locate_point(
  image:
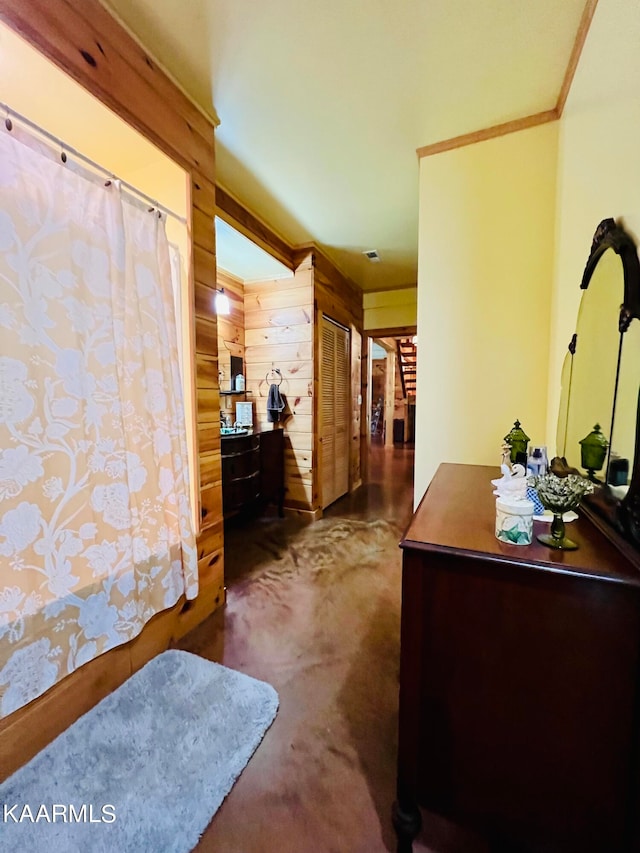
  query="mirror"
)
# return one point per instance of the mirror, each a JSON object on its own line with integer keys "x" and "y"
{"x": 623, "y": 434}
{"x": 601, "y": 384}
{"x": 593, "y": 360}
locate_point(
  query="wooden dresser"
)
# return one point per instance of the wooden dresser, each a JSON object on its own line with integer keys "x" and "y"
{"x": 519, "y": 680}
{"x": 252, "y": 470}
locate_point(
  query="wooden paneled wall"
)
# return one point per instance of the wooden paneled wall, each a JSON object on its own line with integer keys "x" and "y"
{"x": 82, "y": 38}
{"x": 279, "y": 333}
{"x": 281, "y": 319}
{"x": 211, "y": 536}
{"x": 335, "y": 295}
{"x": 230, "y": 327}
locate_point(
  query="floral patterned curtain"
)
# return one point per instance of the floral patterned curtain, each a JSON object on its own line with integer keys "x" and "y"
{"x": 95, "y": 528}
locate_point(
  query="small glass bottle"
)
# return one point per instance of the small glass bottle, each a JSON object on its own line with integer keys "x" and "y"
{"x": 537, "y": 461}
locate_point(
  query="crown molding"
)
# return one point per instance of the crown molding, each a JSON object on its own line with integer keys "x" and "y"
{"x": 581, "y": 37}
{"x": 488, "y": 133}
{"x": 528, "y": 121}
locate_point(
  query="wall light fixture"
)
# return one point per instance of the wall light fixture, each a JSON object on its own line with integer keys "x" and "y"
{"x": 222, "y": 302}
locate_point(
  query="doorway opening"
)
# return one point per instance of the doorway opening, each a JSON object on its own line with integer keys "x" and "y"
{"x": 392, "y": 373}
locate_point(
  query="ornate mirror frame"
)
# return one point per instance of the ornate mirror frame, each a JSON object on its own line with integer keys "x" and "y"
{"x": 619, "y": 520}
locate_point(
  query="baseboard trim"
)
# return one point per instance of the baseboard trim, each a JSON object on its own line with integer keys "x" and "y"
{"x": 306, "y": 515}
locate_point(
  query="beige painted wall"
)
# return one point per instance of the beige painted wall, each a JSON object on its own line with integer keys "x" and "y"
{"x": 599, "y": 164}
{"x": 485, "y": 268}
{"x": 390, "y": 308}
{"x": 38, "y": 89}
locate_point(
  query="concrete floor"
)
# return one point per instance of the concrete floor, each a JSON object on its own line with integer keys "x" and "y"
{"x": 315, "y": 611}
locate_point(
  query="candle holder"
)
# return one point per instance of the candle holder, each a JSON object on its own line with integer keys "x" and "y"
{"x": 593, "y": 452}
{"x": 560, "y": 495}
{"x": 517, "y": 439}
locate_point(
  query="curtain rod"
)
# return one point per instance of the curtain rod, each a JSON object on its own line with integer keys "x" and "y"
{"x": 11, "y": 113}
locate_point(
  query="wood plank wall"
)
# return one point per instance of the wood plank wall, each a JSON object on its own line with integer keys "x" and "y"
{"x": 82, "y": 38}
{"x": 230, "y": 327}
{"x": 211, "y": 537}
{"x": 279, "y": 333}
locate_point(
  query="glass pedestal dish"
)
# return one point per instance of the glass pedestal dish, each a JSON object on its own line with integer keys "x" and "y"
{"x": 559, "y": 495}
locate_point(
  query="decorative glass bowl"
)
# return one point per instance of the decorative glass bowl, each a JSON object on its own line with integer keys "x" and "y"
{"x": 560, "y": 495}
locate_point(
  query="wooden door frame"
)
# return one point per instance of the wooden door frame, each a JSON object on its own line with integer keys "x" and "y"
{"x": 371, "y": 335}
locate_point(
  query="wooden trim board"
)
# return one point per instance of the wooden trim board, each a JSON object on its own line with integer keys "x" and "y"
{"x": 488, "y": 133}
{"x": 531, "y": 120}
{"x": 391, "y": 332}
{"x": 391, "y": 289}
{"x": 581, "y": 37}
{"x": 81, "y": 38}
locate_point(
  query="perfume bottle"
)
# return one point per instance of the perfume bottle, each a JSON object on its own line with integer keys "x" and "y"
{"x": 537, "y": 463}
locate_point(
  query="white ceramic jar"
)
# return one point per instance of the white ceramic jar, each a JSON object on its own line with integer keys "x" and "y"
{"x": 514, "y": 521}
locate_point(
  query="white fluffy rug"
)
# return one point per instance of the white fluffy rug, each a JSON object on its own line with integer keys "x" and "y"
{"x": 146, "y": 769}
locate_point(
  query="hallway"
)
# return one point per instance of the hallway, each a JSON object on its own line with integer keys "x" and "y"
{"x": 315, "y": 611}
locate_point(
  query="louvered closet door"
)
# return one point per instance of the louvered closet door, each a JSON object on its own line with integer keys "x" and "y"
{"x": 335, "y": 411}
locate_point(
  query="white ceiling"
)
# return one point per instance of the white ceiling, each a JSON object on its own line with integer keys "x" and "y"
{"x": 243, "y": 258}
{"x": 322, "y": 105}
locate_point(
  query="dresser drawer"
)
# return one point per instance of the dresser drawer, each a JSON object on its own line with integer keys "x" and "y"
{"x": 239, "y": 492}
{"x": 240, "y": 464}
{"x": 233, "y": 444}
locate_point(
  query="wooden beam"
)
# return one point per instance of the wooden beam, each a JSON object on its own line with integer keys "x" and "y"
{"x": 82, "y": 39}
{"x": 581, "y": 37}
{"x": 391, "y": 288}
{"x": 488, "y": 133}
{"x": 234, "y": 213}
{"x": 392, "y": 332}
{"x": 328, "y": 268}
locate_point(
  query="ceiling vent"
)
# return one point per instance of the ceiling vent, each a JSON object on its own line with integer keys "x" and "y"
{"x": 373, "y": 256}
